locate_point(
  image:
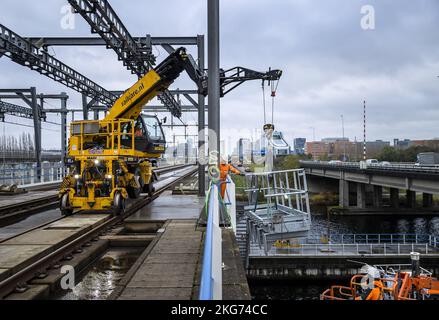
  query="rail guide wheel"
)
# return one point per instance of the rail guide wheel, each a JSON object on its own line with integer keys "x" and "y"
{"x": 134, "y": 193}
{"x": 149, "y": 189}
{"x": 118, "y": 204}
{"x": 66, "y": 210}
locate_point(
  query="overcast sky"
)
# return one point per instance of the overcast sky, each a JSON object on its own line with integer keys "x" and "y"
{"x": 330, "y": 63}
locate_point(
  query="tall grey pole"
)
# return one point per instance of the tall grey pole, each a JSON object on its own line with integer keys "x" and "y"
{"x": 364, "y": 131}
{"x": 63, "y": 127}
{"x": 213, "y": 26}
{"x": 344, "y": 142}
{"x": 84, "y": 107}
{"x": 201, "y": 122}
{"x": 37, "y": 129}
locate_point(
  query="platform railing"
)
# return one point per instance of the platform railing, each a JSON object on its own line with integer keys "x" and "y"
{"x": 383, "y": 238}
{"x": 211, "y": 274}
{"x": 355, "y": 249}
{"x": 35, "y": 175}
{"x": 356, "y": 244}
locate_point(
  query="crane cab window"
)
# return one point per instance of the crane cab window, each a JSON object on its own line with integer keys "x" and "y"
{"x": 154, "y": 129}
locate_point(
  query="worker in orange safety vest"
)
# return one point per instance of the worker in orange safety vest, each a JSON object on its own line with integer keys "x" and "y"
{"x": 225, "y": 169}
{"x": 377, "y": 293}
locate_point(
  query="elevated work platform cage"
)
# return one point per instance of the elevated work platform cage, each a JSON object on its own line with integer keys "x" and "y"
{"x": 278, "y": 207}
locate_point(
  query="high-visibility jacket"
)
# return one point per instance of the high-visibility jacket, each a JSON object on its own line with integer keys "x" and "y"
{"x": 374, "y": 294}
{"x": 225, "y": 169}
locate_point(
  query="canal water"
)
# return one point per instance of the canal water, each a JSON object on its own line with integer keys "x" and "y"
{"x": 102, "y": 276}
{"x": 336, "y": 225}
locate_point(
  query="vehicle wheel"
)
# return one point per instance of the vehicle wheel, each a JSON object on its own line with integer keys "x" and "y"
{"x": 149, "y": 189}
{"x": 65, "y": 205}
{"x": 134, "y": 193}
{"x": 118, "y": 204}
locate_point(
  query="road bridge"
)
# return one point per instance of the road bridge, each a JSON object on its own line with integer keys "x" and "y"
{"x": 353, "y": 178}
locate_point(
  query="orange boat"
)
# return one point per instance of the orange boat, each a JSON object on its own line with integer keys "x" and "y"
{"x": 388, "y": 282}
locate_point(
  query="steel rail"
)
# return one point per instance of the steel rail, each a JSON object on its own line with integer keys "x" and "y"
{"x": 8, "y": 285}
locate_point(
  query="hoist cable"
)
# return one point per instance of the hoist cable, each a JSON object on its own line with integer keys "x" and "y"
{"x": 263, "y": 100}
{"x": 273, "y": 95}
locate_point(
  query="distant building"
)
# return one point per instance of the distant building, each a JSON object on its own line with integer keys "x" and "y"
{"x": 434, "y": 143}
{"x": 402, "y": 144}
{"x": 333, "y": 140}
{"x": 318, "y": 149}
{"x": 343, "y": 149}
{"x": 299, "y": 146}
{"x": 244, "y": 151}
{"x": 374, "y": 148}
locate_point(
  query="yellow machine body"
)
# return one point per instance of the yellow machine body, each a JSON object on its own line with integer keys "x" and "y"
{"x": 111, "y": 158}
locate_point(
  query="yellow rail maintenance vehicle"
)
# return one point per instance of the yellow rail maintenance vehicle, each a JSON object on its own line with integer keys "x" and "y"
{"x": 112, "y": 158}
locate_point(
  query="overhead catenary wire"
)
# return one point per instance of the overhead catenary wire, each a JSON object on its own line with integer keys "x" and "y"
{"x": 28, "y": 126}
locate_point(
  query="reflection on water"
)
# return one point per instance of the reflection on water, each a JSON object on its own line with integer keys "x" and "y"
{"x": 99, "y": 282}
{"x": 374, "y": 224}
{"x": 287, "y": 290}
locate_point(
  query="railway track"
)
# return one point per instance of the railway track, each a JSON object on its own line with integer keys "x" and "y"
{"x": 30, "y": 271}
{"x": 15, "y": 212}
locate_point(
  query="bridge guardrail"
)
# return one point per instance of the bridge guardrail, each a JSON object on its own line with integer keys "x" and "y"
{"x": 391, "y": 167}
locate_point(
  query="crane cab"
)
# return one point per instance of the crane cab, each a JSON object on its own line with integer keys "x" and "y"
{"x": 148, "y": 135}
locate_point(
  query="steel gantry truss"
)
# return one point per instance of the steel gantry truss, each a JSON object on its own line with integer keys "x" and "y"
{"x": 138, "y": 59}
{"x": 14, "y": 110}
{"x": 105, "y": 22}
{"x": 26, "y": 54}
{"x": 36, "y": 112}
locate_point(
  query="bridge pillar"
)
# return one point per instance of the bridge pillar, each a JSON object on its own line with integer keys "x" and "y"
{"x": 394, "y": 197}
{"x": 427, "y": 200}
{"x": 411, "y": 199}
{"x": 361, "y": 195}
{"x": 377, "y": 196}
{"x": 343, "y": 193}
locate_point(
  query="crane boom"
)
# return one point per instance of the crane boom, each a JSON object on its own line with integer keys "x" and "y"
{"x": 130, "y": 104}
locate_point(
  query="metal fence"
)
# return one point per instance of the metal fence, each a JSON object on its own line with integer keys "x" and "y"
{"x": 356, "y": 245}
{"x": 380, "y": 238}
{"x": 372, "y": 249}
{"x": 50, "y": 172}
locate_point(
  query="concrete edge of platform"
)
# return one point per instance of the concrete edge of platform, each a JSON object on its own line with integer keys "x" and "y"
{"x": 122, "y": 284}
